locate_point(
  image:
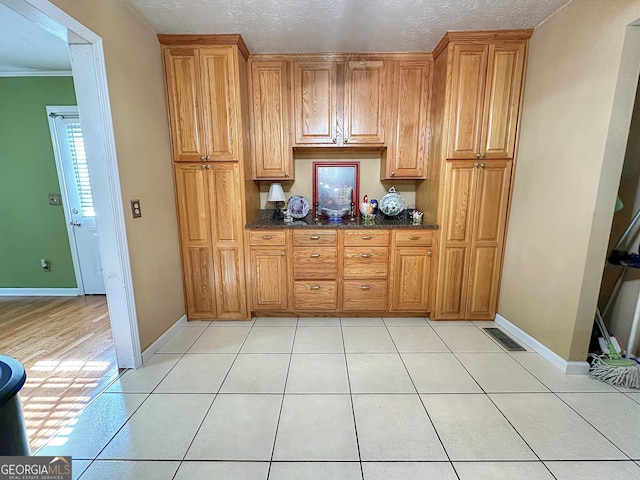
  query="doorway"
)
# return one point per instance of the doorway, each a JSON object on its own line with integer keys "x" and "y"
{"x": 76, "y": 198}
{"x": 89, "y": 74}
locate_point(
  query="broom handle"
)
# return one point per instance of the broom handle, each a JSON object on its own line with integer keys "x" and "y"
{"x": 602, "y": 327}
{"x": 627, "y": 231}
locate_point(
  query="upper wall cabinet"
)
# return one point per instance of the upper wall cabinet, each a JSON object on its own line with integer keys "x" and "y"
{"x": 407, "y": 148}
{"x": 270, "y": 120}
{"x": 485, "y": 95}
{"x": 340, "y": 103}
{"x": 201, "y": 84}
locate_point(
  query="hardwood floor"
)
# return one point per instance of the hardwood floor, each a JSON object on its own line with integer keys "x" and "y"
{"x": 66, "y": 347}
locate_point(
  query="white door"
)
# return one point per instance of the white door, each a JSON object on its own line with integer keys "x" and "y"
{"x": 77, "y": 198}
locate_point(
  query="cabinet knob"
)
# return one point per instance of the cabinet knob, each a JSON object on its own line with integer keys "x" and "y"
{"x": 334, "y": 139}
{"x": 483, "y": 155}
{"x": 482, "y": 165}
{"x": 314, "y": 255}
{"x": 282, "y": 253}
{"x": 203, "y": 166}
{"x": 365, "y": 255}
{"x": 314, "y": 237}
{"x": 286, "y": 174}
{"x": 428, "y": 254}
{"x": 267, "y": 237}
{"x": 203, "y": 158}
{"x": 314, "y": 287}
{"x": 208, "y": 167}
{"x": 208, "y": 157}
{"x": 478, "y": 155}
{"x": 346, "y": 140}
{"x": 393, "y": 174}
{"x": 365, "y": 287}
{"x": 477, "y": 165}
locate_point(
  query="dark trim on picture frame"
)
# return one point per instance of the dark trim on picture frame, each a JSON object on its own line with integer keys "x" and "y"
{"x": 335, "y": 186}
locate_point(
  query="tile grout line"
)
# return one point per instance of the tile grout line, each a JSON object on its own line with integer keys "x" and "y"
{"x": 421, "y": 402}
{"x": 215, "y": 395}
{"x": 353, "y": 410}
{"x": 284, "y": 389}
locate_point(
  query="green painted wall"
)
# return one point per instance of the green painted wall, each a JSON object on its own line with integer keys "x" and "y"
{"x": 31, "y": 229}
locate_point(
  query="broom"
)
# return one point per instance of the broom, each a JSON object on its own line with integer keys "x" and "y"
{"x": 610, "y": 367}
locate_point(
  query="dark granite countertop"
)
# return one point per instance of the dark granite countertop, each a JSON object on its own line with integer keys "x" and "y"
{"x": 380, "y": 222}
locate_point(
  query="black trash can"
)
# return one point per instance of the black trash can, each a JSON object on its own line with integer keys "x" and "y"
{"x": 13, "y": 434}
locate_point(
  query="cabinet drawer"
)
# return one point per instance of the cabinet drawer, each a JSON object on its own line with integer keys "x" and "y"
{"x": 267, "y": 237}
{"x": 413, "y": 238}
{"x": 365, "y": 295}
{"x": 315, "y": 295}
{"x": 366, "y": 262}
{"x": 306, "y": 237}
{"x": 319, "y": 262}
{"x": 366, "y": 237}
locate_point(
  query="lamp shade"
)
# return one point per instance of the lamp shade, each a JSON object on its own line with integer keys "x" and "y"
{"x": 276, "y": 193}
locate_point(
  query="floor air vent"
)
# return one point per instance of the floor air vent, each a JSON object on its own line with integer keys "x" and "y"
{"x": 505, "y": 340}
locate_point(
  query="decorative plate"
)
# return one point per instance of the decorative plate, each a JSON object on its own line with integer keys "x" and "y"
{"x": 392, "y": 203}
{"x": 298, "y": 206}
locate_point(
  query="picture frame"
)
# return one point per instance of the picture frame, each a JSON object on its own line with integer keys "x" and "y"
{"x": 335, "y": 186}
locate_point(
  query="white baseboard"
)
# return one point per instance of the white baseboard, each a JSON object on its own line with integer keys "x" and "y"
{"x": 39, "y": 292}
{"x": 162, "y": 339}
{"x": 570, "y": 368}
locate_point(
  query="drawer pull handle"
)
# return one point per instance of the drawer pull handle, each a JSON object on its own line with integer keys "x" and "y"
{"x": 365, "y": 255}
{"x": 267, "y": 237}
{"x": 366, "y": 237}
{"x": 413, "y": 237}
{"x": 314, "y": 255}
{"x": 314, "y": 237}
{"x": 365, "y": 287}
{"x": 314, "y": 287}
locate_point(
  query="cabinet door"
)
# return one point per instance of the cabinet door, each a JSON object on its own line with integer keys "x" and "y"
{"x": 226, "y": 226}
{"x": 270, "y": 278}
{"x": 315, "y": 93}
{"x": 272, "y": 149}
{"x": 182, "y": 67}
{"x": 407, "y": 150}
{"x": 502, "y": 98}
{"x": 221, "y": 112}
{"x": 490, "y": 216}
{"x": 192, "y": 187}
{"x": 467, "y": 95}
{"x": 456, "y": 237}
{"x": 411, "y": 280}
{"x": 365, "y": 99}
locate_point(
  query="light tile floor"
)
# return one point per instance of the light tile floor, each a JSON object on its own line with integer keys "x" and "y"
{"x": 351, "y": 398}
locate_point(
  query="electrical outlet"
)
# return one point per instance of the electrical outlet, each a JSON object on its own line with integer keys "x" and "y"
{"x": 135, "y": 209}
{"x": 45, "y": 264}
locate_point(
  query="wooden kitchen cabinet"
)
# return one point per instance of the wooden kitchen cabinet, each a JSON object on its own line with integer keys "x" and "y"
{"x": 211, "y": 239}
{"x": 411, "y": 271}
{"x": 475, "y": 201}
{"x": 270, "y": 119}
{"x": 269, "y": 270}
{"x": 365, "y": 267}
{"x": 340, "y": 103}
{"x": 485, "y": 97}
{"x": 203, "y": 102}
{"x": 407, "y": 151}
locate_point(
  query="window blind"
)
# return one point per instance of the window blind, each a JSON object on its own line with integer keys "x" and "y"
{"x": 80, "y": 169}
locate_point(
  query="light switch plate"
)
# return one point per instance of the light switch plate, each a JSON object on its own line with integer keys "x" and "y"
{"x": 55, "y": 199}
{"x": 135, "y": 209}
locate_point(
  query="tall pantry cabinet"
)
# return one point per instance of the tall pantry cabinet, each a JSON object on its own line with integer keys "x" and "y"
{"x": 477, "y": 88}
{"x": 207, "y": 96}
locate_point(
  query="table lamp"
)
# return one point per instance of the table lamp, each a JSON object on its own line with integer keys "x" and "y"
{"x": 276, "y": 194}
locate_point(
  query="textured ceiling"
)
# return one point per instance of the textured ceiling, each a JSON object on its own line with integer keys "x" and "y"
{"x": 304, "y": 26}
{"x": 27, "y": 49}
